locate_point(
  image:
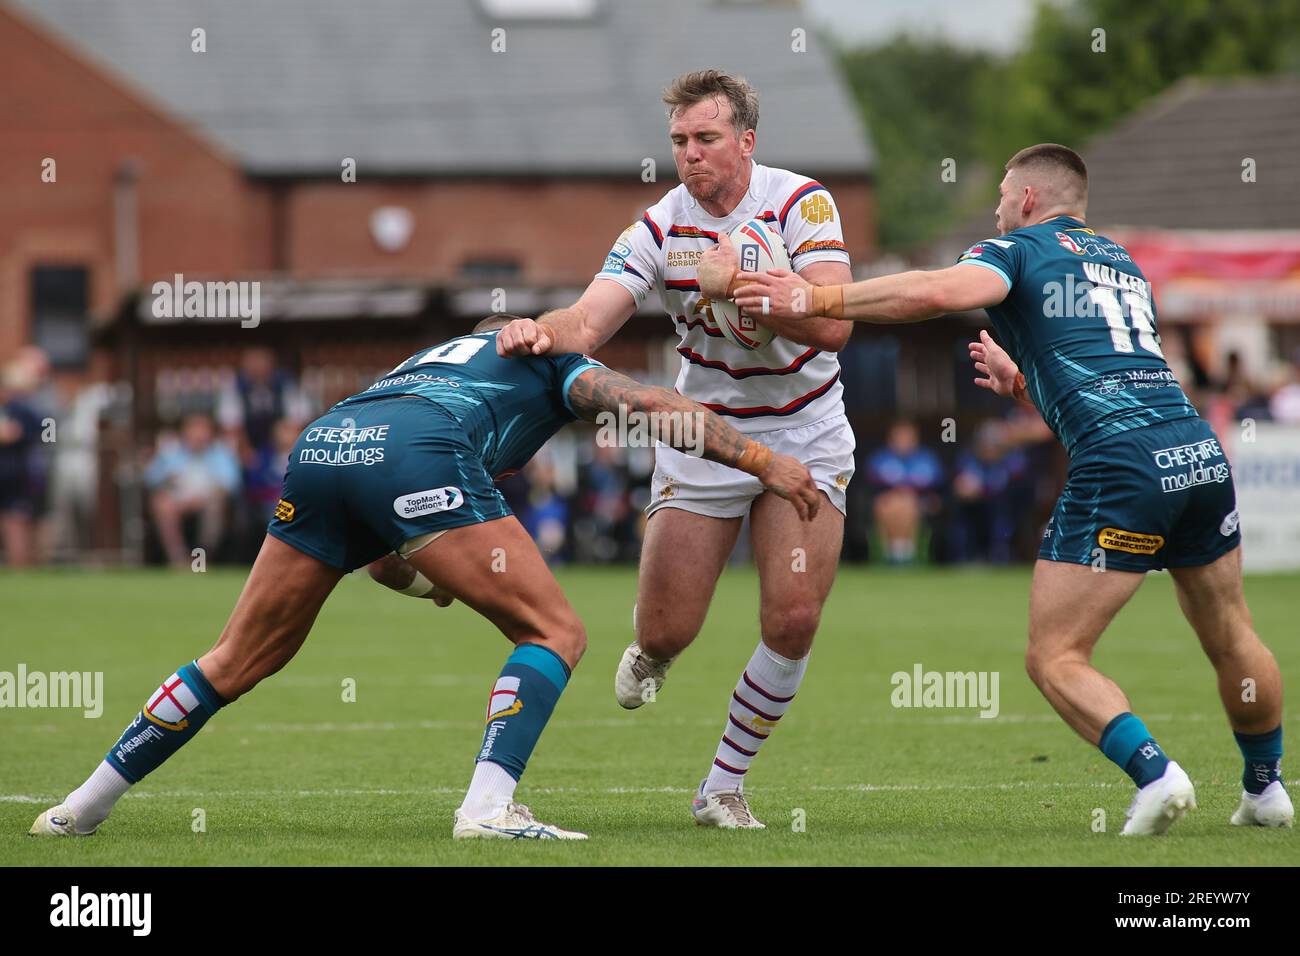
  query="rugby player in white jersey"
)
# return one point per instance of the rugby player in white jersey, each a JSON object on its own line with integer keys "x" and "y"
{"x": 786, "y": 395}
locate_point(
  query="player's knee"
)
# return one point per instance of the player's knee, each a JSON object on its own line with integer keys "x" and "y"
{"x": 789, "y": 629}
{"x": 566, "y": 636}
{"x": 664, "y": 639}
{"x": 1041, "y": 663}
{"x": 1237, "y": 639}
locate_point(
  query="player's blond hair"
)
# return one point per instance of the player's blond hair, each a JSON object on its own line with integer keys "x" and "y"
{"x": 691, "y": 88}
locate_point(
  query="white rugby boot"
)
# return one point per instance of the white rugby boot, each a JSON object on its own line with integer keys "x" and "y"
{"x": 727, "y": 809}
{"x": 515, "y": 822}
{"x": 57, "y": 822}
{"x": 638, "y": 677}
{"x": 1272, "y": 808}
{"x": 1157, "y": 805}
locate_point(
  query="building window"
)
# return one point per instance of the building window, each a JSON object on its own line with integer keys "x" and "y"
{"x": 490, "y": 270}
{"x": 60, "y": 314}
{"x": 540, "y": 9}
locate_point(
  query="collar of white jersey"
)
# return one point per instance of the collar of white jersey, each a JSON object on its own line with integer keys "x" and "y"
{"x": 747, "y": 207}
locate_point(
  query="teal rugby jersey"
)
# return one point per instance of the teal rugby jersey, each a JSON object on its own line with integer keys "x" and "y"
{"x": 507, "y": 407}
{"x": 1080, "y": 322}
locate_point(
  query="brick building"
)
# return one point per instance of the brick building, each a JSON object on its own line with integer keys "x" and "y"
{"x": 210, "y": 139}
{"x": 385, "y": 172}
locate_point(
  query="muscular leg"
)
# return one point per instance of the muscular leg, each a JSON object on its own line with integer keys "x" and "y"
{"x": 281, "y": 598}
{"x": 279, "y": 603}
{"x": 496, "y": 569}
{"x": 1250, "y": 683}
{"x": 1069, "y": 606}
{"x": 796, "y": 567}
{"x": 1213, "y": 603}
{"x": 796, "y": 561}
{"x": 681, "y": 558}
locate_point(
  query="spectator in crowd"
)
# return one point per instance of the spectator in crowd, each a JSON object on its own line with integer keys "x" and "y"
{"x": 74, "y": 479}
{"x": 195, "y": 476}
{"x": 602, "y": 527}
{"x": 906, "y": 479}
{"x": 987, "y": 496}
{"x": 20, "y": 443}
{"x": 1284, "y": 403}
{"x": 546, "y": 515}
{"x": 259, "y": 395}
{"x": 264, "y": 478}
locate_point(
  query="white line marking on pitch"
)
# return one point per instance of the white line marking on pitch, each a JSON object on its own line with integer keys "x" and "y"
{"x": 457, "y": 791}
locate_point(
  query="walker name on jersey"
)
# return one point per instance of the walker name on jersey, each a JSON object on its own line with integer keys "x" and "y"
{"x": 1200, "y": 463}
{"x": 348, "y": 446}
{"x": 428, "y": 502}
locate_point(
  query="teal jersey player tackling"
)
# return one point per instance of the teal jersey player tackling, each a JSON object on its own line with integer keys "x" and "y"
{"x": 1149, "y": 485}
{"x": 1080, "y": 322}
{"x": 400, "y": 478}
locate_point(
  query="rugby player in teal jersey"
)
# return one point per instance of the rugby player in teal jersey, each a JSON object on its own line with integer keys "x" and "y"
{"x": 406, "y": 468}
{"x": 1149, "y": 486}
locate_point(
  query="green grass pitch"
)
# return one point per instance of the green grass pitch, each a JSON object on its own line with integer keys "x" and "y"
{"x": 293, "y": 775}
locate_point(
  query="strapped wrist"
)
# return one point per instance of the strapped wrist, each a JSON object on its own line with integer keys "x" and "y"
{"x": 1018, "y": 389}
{"x": 828, "y": 300}
{"x": 755, "y": 459}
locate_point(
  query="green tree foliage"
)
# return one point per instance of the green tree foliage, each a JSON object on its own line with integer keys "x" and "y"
{"x": 926, "y": 100}
{"x": 920, "y": 100}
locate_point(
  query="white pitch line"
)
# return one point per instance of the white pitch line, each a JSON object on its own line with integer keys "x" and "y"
{"x": 457, "y": 791}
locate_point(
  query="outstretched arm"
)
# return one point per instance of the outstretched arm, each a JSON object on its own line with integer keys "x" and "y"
{"x": 903, "y": 297}
{"x": 719, "y": 275}
{"x": 690, "y": 427}
{"x": 583, "y": 327}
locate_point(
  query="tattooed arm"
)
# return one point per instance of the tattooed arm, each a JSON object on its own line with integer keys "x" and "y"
{"x": 691, "y": 428}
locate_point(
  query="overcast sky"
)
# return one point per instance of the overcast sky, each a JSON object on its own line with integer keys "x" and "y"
{"x": 997, "y": 25}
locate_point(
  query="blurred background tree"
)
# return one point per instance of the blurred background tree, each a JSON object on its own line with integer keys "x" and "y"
{"x": 927, "y": 100}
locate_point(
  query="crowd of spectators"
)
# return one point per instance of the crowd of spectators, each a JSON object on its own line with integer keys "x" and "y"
{"x": 211, "y": 474}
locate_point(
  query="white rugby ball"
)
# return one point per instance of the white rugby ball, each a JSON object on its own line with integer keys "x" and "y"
{"x": 759, "y": 247}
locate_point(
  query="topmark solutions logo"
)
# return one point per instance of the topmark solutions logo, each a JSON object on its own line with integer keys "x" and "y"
{"x": 76, "y": 908}
{"x": 208, "y": 300}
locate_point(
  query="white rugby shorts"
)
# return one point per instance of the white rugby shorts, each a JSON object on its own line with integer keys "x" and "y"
{"x": 709, "y": 488}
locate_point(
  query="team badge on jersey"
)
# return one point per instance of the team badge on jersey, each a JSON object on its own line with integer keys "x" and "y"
{"x": 1068, "y": 243}
{"x": 816, "y": 209}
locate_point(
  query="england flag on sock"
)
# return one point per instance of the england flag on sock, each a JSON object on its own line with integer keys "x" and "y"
{"x": 505, "y": 698}
{"x": 171, "y": 704}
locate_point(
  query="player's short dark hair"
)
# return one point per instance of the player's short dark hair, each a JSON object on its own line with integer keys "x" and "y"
{"x": 1050, "y": 156}
{"x": 495, "y": 321}
{"x": 691, "y": 88}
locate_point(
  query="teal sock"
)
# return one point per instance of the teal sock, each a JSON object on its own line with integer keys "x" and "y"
{"x": 1263, "y": 756}
{"x": 174, "y": 713}
{"x": 1127, "y": 743}
{"x": 521, "y": 703}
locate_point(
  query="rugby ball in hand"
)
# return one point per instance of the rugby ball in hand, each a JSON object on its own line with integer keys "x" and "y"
{"x": 760, "y": 248}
